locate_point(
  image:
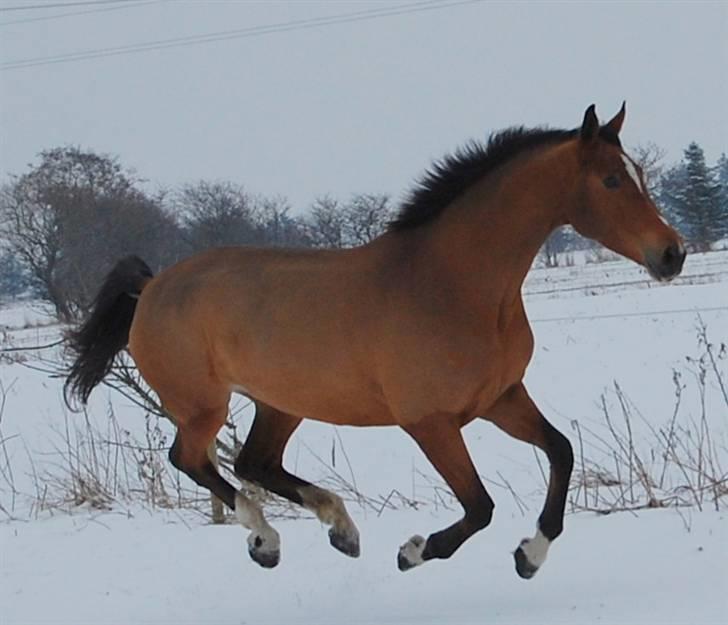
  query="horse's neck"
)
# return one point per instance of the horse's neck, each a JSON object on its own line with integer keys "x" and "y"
{"x": 489, "y": 239}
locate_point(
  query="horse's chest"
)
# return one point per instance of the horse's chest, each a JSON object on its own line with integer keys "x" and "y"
{"x": 466, "y": 376}
{"x": 501, "y": 364}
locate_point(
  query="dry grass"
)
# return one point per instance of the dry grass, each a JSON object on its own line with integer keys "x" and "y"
{"x": 680, "y": 462}
{"x": 683, "y": 460}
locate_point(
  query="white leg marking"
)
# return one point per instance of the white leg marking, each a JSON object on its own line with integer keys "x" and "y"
{"x": 330, "y": 509}
{"x": 632, "y": 172}
{"x": 410, "y": 554}
{"x": 536, "y": 548}
{"x": 263, "y": 542}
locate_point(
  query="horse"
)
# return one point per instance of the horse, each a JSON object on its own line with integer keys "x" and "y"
{"x": 423, "y": 328}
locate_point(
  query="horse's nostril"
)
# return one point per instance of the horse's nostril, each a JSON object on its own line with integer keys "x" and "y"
{"x": 670, "y": 254}
{"x": 673, "y": 257}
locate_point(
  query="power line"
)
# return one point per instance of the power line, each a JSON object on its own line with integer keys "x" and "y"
{"x": 45, "y": 18}
{"x": 243, "y": 33}
{"x": 651, "y": 313}
{"x": 59, "y": 5}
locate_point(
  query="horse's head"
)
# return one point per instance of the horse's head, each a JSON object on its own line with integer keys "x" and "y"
{"x": 613, "y": 205}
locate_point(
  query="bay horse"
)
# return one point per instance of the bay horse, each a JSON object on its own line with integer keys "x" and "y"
{"x": 424, "y": 327}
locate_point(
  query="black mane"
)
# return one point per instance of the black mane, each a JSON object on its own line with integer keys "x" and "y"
{"x": 450, "y": 177}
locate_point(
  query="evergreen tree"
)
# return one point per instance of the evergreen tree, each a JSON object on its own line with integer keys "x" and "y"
{"x": 692, "y": 196}
{"x": 721, "y": 177}
{"x": 672, "y": 196}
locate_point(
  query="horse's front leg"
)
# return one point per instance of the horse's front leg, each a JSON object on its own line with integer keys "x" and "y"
{"x": 443, "y": 444}
{"x": 516, "y": 414}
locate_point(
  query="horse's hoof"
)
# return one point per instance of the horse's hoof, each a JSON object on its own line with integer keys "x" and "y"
{"x": 523, "y": 567}
{"x": 346, "y": 542}
{"x": 266, "y": 559}
{"x": 264, "y": 548}
{"x": 410, "y": 554}
{"x": 531, "y": 554}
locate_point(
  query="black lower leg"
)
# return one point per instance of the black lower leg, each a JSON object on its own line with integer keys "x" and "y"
{"x": 561, "y": 459}
{"x": 444, "y": 543}
{"x": 260, "y": 460}
{"x": 274, "y": 479}
{"x": 204, "y": 474}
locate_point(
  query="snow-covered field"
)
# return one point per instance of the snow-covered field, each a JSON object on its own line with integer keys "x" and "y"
{"x": 593, "y": 325}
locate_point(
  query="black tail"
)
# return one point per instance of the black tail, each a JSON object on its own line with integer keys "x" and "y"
{"x": 105, "y": 332}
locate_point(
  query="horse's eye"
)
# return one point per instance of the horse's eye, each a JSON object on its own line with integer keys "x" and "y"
{"x": 611, "y": 182}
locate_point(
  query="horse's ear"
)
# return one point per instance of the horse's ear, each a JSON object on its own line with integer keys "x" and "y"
{"x": 615, "y": 124}
{"x": 590, "y": 125}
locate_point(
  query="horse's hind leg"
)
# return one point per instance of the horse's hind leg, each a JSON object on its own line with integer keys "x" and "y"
{"x": 192, "y": 453}
{"x": 516, "y": 414}
{"x": 261, "y": 461}
{"x": 442, "y": 442}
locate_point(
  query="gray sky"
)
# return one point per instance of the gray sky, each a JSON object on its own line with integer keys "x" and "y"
{"x": 362, "y": 106}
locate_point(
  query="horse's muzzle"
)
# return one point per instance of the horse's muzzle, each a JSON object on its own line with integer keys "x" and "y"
{"x": 667, "y": 263}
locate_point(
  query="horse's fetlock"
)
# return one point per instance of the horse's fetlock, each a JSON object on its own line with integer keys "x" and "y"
{"x": 551, "y": 528}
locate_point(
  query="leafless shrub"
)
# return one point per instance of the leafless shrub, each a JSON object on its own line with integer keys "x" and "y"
{"x": 680, "y": 464}
{"x": 7, "y": 477}
{"x": 96, "y": 468}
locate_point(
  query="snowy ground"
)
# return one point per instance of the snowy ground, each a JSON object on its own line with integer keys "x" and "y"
{"x": 147, "y": 569}
{"x": 592, "y": 325}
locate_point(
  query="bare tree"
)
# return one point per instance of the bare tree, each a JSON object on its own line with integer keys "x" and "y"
{"x": 366, "y": 217}
{"x": 276, "y": 225}
{"x": 215, "y": 214}
{"x": 70, "y": 217}
{"x": 551, "y": 248}
{"x": 98, "y": 234}
{"x": 649, "y": 157}
{"x": 325, "y": 223}
{"x": 363, "y": 218}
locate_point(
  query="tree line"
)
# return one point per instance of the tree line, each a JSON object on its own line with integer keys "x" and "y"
{"x": 65, "y": 221}
{"x": 71, "y": 216}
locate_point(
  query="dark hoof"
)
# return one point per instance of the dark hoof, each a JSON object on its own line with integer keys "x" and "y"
{"x": 348, "y": 544}
{"x": 523, "y": 567}
{"x": 403, "y": 563}
{"x": 410, "y": 554}
{"x": 266, "y": 559}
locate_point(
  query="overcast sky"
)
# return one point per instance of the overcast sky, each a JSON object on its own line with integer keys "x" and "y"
{"x": 362, "y": 105}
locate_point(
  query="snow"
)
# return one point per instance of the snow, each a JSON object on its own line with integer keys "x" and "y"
{"x": 592, "y": 324}
{"x": 150, "y": 569}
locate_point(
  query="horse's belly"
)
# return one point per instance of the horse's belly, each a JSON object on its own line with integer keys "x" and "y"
{"x": 312, "y": 397}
